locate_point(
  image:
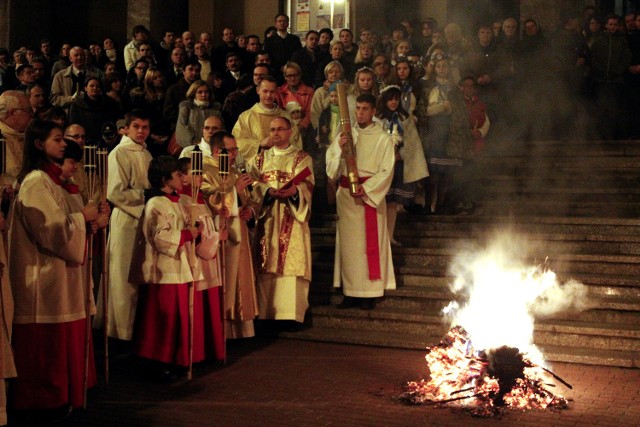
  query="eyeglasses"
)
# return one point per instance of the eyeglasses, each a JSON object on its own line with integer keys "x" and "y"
{"x": 289, "y": 76}
{"x": 76, "y": 136}
{"x": 232, "y": 149}
{"x": 279, "y": 129}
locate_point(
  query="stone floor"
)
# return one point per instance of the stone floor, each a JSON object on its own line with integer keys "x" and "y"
{"x": 281, "y": 382}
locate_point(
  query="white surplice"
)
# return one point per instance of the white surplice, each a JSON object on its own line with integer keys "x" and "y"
{"x": 375, "y": 161}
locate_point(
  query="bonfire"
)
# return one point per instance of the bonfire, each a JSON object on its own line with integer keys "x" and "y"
{"x": 483, "y": 382}
{"x": 488, "y": 360}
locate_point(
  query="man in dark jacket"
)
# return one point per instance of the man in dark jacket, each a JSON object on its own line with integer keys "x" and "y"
{"x": 610, "y": 58}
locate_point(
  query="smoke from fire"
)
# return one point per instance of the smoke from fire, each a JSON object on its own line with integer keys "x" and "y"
{"x": 499, "y": 295}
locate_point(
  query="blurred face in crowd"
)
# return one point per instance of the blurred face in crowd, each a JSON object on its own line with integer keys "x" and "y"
{"x": 18, "y": 117}
{"x": 468, "y": 88}
{"x": 202, "y": 93}
{"x": 76, "y": 133}
{"x": 140, "y": 37}
{"x": 366, "y": 52}
{"x": 263, "y": 58}
{"x": 38, "y": 70}
{"x": 65, "y": 49}
{"x": 311, "y": 41}
{"x": 403, "y": 71}
{"x": 140, "y": 69}
{"x": 630, "y": 22}
{"x": 402, "y": 49}
{"x": 510, "y": 27}
{"x": 212, "y": 125}
{"x": 177, "y": 57}
{"x": 364, "y": 113}
{"x": 110, "y": 68}
{"x": 484, "y": 36}
{"x": 381, "y": 66}
{"x": 177, "y": 42}
{"x": 54, "y": 145}
{"x": 442, "y": 69}
{"x": 253, "y": 45}
{"x": 228, "y": 35}
{"x": 258, "y": 74}
{"x": 188, "y": 39}
{"x": 325, "y": 39}
{"x": 346, "y": 37}
{"x": 365, "y": 36}
{"x": 169, "y": 38}
{"x": 334, "y": 74}
{"x": 233, "y": 63}
{"x": 427, "y": 31}
{"x": 207, "y": 40}
{"x": 365, "y": 81}
{"x": 192, "y": 72}
{"x": 26, "y": 76}
{"x": 337, "y": 50}
{"x": 92, "y": 88}
{"x": 200, "y": 49}
{"x": 530, "y": 28}
{"x": 78, "y": 57}
{"x": 393, "y": 103}
{"x": 496, "y": 27}
{"x": 594, "y": 25}
{"x": 241, "y": 41}
{"x": 437, "y": 37}
{"x": 107, "y": 44}
{"x": 69, "y": 168}
{"x": 45, "y": 48}
{"x": 282, "y": 23}
{"x": 267, "y": 92}
{"x": 138, "y": 130}
{"x": 397, "y": 35}
{"x": 611, "y": 26}
{"x": 280, "y": 132}
{"x": 293, "y": 77}
{"x": 145, "y": 51}
{"x": 36, "y": 97}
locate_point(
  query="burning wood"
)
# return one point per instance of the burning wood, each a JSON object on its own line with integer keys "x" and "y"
{"x": 482, "y": 382}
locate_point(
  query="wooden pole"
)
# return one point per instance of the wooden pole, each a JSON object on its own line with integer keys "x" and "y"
{"x": 223, "y": 172}
{"x": 103, "y": 172}
{"x": 90, "y": 168}
{"x": 196, "y": 171}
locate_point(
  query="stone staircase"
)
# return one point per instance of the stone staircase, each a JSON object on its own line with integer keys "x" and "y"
{"x": 576, "y": 203}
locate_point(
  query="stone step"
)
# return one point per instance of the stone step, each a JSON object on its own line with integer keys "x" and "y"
{"x": 527, "y": 224}
{"x": 548, "y": 332}
{"x": 585, "y": 355}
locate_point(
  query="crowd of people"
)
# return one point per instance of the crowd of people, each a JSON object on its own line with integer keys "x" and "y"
{"x": 198, "y": 250}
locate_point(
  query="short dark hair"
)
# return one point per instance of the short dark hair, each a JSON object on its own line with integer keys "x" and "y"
{"x": 368, "y": 98}
{"x": 137, "y": 114}
{"x": 72, "y": 150}
{"x": 311, "y": 32}
{"x": 326, "y": 31}
{"x": 217, "y": 139}
{"x": 139, "y": 29}
{"x": 160, "y": 170}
